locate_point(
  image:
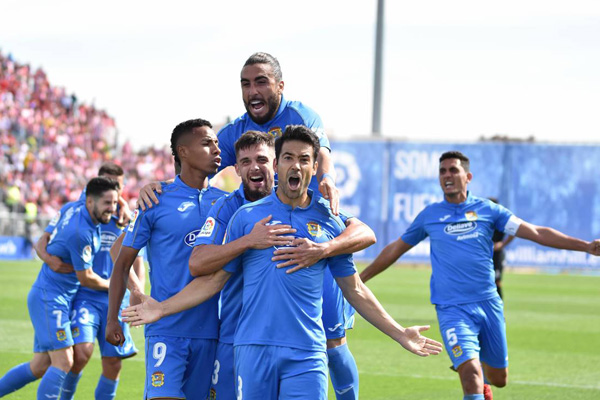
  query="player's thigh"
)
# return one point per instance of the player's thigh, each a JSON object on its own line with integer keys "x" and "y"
{"x": 222, "y": 385}
{"x": 166, "y": 364}
{"x": 85, "y": 321}
{"x": 200, "y": 368}
{"x": 494, "y": 349}
{"x": 128, "y": 348}
{"x": 303, "y": 374}
{"x": 460, "y": 331}
{"x": 338, "y": 314}
{"x": 256, "y": 374}
{"x": 49, "y": 313}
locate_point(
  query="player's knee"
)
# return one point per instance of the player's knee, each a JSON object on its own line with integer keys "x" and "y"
{"x": 111, "y": 367}
{"x": 39, "y": 365}
{"x": 333, "y": 343}
{"x": 81, "y": 355}
{"x": 498, "y": 378}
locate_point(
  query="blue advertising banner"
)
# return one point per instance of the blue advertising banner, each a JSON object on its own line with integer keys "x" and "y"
{"x": 14, "y": 248}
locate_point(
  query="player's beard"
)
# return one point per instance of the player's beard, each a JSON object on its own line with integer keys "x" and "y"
{"x": 273, "y": 104}
{"x": 103, "y": 218}
{"x": 254, "y": 195}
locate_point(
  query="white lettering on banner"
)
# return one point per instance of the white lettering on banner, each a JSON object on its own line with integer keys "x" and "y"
{"x": 531, "y": 255}
{"x": 416, "y": 164}
{"x": 8, "y": 248}
{"x": 406, "y": 206}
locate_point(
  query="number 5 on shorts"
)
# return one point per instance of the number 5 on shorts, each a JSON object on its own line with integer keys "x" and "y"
{"x": 451, "y": 337}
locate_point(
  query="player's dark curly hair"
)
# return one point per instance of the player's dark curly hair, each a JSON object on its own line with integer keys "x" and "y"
{"x": 266, "y": 58}
{"x": 96, "y": 187}
{"x": 298, "y": 133}
{"x": 464, "y": 160}
{"x": 254, "y": 138}
{"x": 181, "y": 131}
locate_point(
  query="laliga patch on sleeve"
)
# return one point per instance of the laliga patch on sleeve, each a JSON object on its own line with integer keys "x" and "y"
{"x": 207, "y": 228}
{"x": 55, "y": 219}
{"x": 132, "y": 222}
{"x": 512, "y": 225}
{"x": 86, "y": 255}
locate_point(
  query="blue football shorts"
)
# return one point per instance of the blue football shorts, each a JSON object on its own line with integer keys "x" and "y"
{"x": 338, "y": 314}
{"x": 280, "y": 373}
{"x": 178, "y": 367}
{"x": 222, "y": 386}
{"x": 88, "y": 322}
{"x": 49, "y": 313}
{"x": 474, "y": 330}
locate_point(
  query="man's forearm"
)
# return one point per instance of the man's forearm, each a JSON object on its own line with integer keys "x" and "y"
{"x": 356, "y": 237}
{"x": 387, "y": 257}
{"x": 196, "y": 292}
{"x": 40, "y": 247}
{"x": 210, "y": 258}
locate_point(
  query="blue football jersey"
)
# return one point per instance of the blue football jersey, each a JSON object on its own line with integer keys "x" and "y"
{"x": 289, "y": 113}
{"x": 278, "y": 308}
{"x": 75, "y": 239}
{"x": 213, "y": 232}
{"x": 169, "y": 230}
{"x": 461, "y": 247}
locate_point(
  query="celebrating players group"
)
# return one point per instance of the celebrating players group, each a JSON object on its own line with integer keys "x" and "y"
{"x": 252, "y": 291}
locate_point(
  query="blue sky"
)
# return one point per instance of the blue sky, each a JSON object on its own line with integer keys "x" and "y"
{"x": 452, "y": 70}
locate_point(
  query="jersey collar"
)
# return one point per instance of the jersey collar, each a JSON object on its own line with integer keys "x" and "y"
{"x": 179, "y": 183}
{"x": 468, "y": 201}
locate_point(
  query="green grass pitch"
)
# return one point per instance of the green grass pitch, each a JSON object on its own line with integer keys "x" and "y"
{"x": 553, "y": 339}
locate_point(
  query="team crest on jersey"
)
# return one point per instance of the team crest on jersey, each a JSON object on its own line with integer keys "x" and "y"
{"x": 190, "y": 238}
{"x": 135, "y": 217}
{"x": 61, "y": 335}
{"x": 158, "y": 379}
{"x": 471, "y": 216}
{"x": 86, "y": 254}
{"x": 275, "y": 131}
{"x": 457, "y": 351}
{"x": 75, "y": 332}
{"x": 314, "y": 229}
{"x": 213, "y": 394}
{"x": 184, "y": 206}
{"x": 207, "y": 228}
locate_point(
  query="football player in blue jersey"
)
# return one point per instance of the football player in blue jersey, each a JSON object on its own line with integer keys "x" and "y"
{"x": 280, "y": 320}
{"x": 180, "y": 349}
{"x": 255, "y": 152}
{"x": 469, "y": 309}
{"x": 76, "y": 241}
{"x": 88, "y": 315}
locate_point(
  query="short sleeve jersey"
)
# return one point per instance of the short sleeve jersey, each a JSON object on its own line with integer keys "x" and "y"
{"x": 75, "y": 239}
{"x": 169, "y": 230}
{"x": 213, "y": 232}
{"x": 278, "y": 308}
{"x": 289, "y": 113}
{"x": 461, "y": 247}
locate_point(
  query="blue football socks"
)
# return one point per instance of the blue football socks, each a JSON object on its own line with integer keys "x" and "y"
{"x": 343, "y": 372}
{"x": 51, "y": 384}
{"x": 16, "y": 378}
{"x": 106, "y": 389}
{"x": 70, "y": 385}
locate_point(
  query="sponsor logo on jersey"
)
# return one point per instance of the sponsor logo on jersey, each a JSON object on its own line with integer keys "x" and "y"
{"x": 460, "y": 228}
{"x": 445, "y": 217}
{"x": 471, "y": 216}
{"x": 61, "y": 335}
{"x": 184, "y": 206}
{"x": 158, "y": 379}
{"x": 275, "y": 131}
{"x": 314, "y": 229}
{"x": 136, "y": 214}
{"x": 207, "y": 228}
{"x": 190, "y": 238}
{"x": 457, "y": 351}
{"x": 107, "y": 239}
{"x": 86, "y": 254}
{"x": 75, "y": 332}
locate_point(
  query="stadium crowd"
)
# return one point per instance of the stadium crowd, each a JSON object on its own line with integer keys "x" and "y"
{"x": 51, "y": 144}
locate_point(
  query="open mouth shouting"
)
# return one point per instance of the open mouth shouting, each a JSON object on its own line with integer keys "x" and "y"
{"x": 294, "y": 182}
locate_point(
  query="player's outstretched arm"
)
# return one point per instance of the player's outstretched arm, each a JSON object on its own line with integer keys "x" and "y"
{"x": 196, "y": 292}
{"x": 387, "y": 257}
{"x": 116, "y": 291}
{"x": 552, "y": 238}
{"x": 209, "y": 258}
{"x": 92, "y": 280}
{"x": 55, "y": 263}
{"x": 147, "y": 197}
{"x": 326, "y": 175}
{"x": 304, "y": 252}
{"x": 367, "y": 305}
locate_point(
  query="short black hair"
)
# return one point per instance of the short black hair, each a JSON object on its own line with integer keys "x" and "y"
{"x": 96, "y": 187}
{"x": 110, "y": 168}
{"x": 464, "y": 160}
{"x": 254, "y": 138}
{"x": 298, "y": 133}
{"x": 182, "y": 130}
{"x": 266, "y": 58}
